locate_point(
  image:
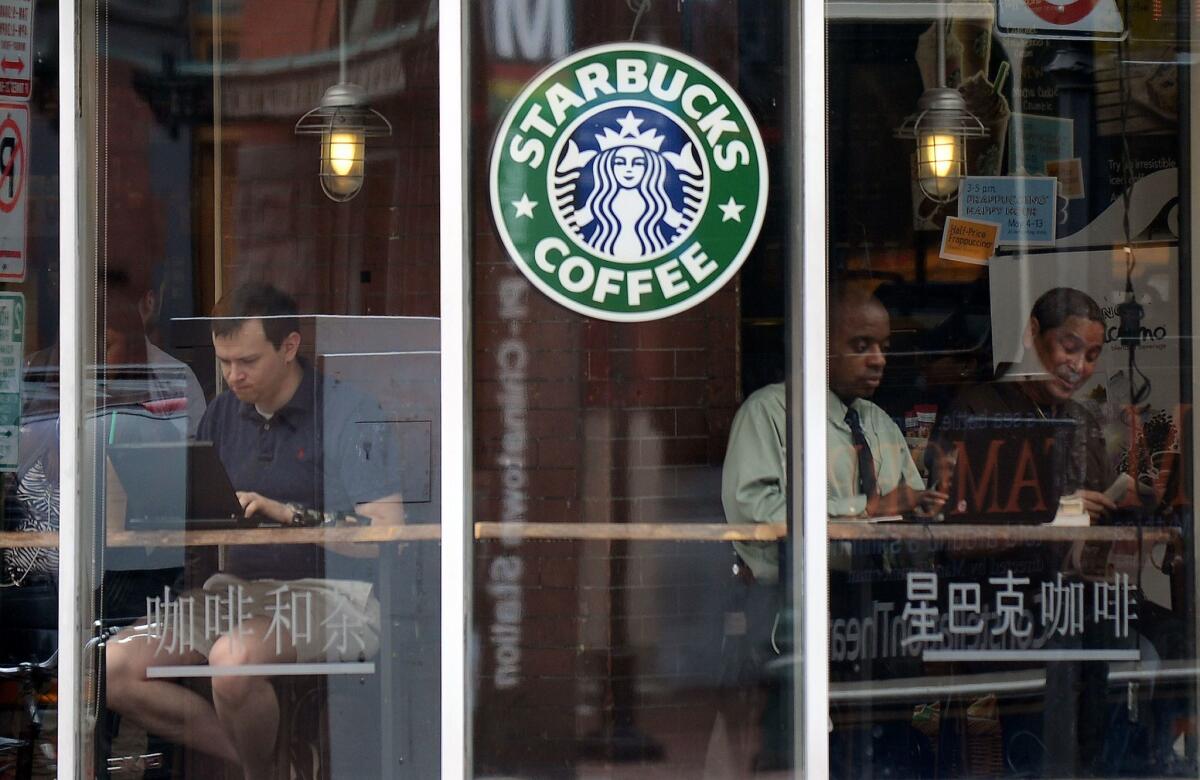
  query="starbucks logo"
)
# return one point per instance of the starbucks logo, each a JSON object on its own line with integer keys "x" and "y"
{"x": 628, "y": 182}
{"x": 631, "y": 194}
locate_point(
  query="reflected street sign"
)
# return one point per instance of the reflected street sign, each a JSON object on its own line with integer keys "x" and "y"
{"x": 12, "y": 347}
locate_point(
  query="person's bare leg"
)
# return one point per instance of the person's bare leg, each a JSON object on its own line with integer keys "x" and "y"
{"x": 247, "y": 706}
{"x": 170, "y": 711}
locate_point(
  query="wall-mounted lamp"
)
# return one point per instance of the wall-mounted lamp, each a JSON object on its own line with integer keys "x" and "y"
{"x": 941, "y": 127}
{"x": 344, "y": 121}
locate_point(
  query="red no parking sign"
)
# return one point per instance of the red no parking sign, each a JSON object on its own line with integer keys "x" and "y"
{"x": 1069, "y": 19}
{"x": 14, "y": 170}
{"x": 1061, "y": 14}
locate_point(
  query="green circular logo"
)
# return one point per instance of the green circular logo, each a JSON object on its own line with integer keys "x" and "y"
{"x": 628, "y": 182}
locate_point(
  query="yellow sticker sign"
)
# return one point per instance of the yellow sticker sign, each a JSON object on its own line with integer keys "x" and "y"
{"x": 969, "y": 240}
{"x": 1070, "y": 177}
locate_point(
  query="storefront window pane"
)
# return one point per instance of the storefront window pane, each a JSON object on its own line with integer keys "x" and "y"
{"x": 617, "y": 183}
{"x": 1009, "y": 422}
{"x": 262, "y": 419}
{"x": 29, "y": 274}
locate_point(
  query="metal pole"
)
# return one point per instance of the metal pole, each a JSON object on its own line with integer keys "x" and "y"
{"x": 455, "y": 395}
{"x": 941, "y": 45}
{"x": 70, "y": 302}
{"x": 806, "y": 391}
{"x": 341, "y": 41}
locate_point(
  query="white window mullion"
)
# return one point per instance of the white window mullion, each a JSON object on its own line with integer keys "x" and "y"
{"x": 455, "y": 396}
{"x": 808, "y": 392}
{"x": 1188, "y": 186}
{"x": 70, "y": 628}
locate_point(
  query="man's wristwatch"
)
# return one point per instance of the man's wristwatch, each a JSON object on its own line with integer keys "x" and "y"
{"x": 307, "y": 517}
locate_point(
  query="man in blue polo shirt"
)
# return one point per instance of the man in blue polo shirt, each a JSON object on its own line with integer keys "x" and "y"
{"x": 299, "y": 449}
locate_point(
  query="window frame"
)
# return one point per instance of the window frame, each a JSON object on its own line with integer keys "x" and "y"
{"x": 807, "y": 383}
{"x": 457, "y": 524}
{"x": 71, "y": 712}
{"x": 806, "y": 387}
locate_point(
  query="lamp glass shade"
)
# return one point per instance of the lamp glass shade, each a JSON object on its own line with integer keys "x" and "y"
{"x": 941, "y": 163}
{"x": 342, "y": 153}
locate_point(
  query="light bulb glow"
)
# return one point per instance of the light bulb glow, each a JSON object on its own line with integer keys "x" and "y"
{"x": 940, "y": 163}
{"x": 941, "y": 154}
{"x": 342, "y": 163}
{"x": 345, "y": 150}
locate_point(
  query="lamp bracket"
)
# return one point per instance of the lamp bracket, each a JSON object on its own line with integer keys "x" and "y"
{"x": 343, "y": 94}
{"x": 941, "y": 110}
{"x": 941, "y": 99}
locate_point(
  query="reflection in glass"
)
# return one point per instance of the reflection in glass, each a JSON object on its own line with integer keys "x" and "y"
{"x": 619, "y": 635}
{"x": 274, "y": 517}
{"x": 1029, "y": 622}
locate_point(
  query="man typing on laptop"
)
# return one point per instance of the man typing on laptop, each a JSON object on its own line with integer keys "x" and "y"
{"x": 300, "y": 450}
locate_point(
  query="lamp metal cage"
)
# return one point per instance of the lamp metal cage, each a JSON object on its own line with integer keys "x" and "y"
{"x": 344, "y": 121}
{"x": 941, "y": 126}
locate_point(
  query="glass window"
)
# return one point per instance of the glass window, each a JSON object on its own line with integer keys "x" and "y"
{"x": 1010, "y": 386}
{"x": 29, "y": 402}
{"x": 631, "y": 236}
{"x": 262, "y": 416}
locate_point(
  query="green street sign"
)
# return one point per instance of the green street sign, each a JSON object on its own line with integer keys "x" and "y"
{"x": 628, "y": 182}
{"x": 12, "y": 348}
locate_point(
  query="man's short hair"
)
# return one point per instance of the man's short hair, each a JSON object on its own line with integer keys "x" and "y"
{"x": 121, "y": 286}
{"x": 847, "y": 292}
{"x": 120, "y": 305}
{"x": 257, "y": 301}
{"x": 1054, "y": 307}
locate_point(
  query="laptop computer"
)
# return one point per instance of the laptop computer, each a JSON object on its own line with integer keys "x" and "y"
{"x": 1006, "y": 469}
{"x": 176, "y": 485}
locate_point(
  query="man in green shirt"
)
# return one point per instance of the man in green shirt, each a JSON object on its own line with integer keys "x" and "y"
{"x": 870, "y": 474}
{"x": 870, "y": 470}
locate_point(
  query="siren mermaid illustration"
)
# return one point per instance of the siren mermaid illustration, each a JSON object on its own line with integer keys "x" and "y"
{"x": 629, "y": 213}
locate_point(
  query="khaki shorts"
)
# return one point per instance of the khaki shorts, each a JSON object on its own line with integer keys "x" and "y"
{"x": 324, "y": 620}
